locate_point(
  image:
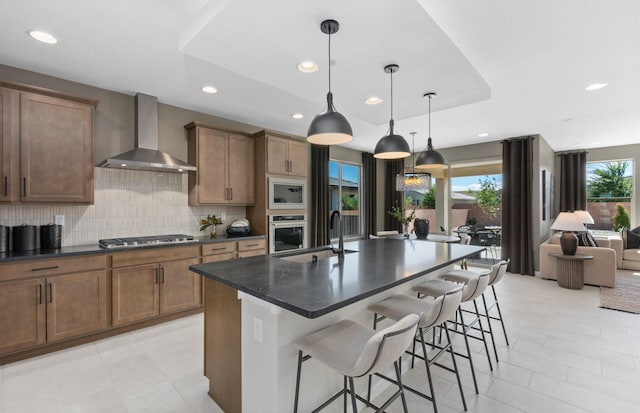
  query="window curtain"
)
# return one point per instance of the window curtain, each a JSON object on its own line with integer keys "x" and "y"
{"x": 392, "y": 197}
{"x": 573, "y": 181}
{"x": 319, "y": 195}
{"x": 517, "y": 221}
{"x": 368, "y": 194}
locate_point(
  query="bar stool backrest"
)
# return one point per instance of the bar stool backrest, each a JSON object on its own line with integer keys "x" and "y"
{"x": 465, "y": 240}
{"x": 386, "y": 346}
{"x": 444, "y": 309}
{"x": 498, "y": 271}
{"x": 476, "y": 286}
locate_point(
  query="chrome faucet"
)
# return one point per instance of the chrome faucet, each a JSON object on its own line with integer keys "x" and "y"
{"x": 340, "y": 249}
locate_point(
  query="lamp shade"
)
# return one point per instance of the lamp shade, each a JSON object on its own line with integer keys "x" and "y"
{"x": 392, "y": 146}
{"x": 430, "y": 158}
{"x": 568, "y": 221}
{"x": 584, "y": 217}
{"x": 329, "y": 128}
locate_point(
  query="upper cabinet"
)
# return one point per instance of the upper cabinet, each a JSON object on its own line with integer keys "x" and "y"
{"x": 52, "y": 137}
{"x": 286, "y": 156}
{"x": 225, "y": 163}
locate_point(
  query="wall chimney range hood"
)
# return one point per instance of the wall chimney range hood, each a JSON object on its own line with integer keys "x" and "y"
{"x": 146, "y": 156}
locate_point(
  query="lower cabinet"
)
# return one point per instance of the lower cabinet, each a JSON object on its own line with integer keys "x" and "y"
{"x": 50, "y": 309}
{"x": 152, "y": 288}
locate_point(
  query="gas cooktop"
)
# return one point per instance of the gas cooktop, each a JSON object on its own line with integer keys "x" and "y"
{"x": 145, "y": 241}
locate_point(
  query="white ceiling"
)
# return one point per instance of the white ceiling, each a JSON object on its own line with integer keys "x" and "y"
{"x": 504, "y": 67}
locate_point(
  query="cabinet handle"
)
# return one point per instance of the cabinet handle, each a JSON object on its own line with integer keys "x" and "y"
{"x": 288, "y": 166}
{"x": 6, "y": 187}
{"x": 24, "y": 186}
{"x": 218, "y": 249}
{"x": 155, "y": 276}
{"x": 39, "y": 293}
{"x": 162, "y": 275}
{"x": 55, "y": 267}
{"x": 230, "y": 194}
{"x": 252, "y": 245}
{"x": 50, "y": 293}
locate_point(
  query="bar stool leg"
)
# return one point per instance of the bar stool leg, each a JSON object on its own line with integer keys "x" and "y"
{"x": 493, "y": 339}
{"x": 396, "y": 365}
{"x": 353, "y": 395}
{"x": 344, "y": 397}
{"x": 495, "y": 297}
{"x": 466, "y": 343}
{"x": 484, "y": 338}
{"x": 455, "y": 366}
{"x": 426, "y": 363}
{"x": 295, "y": 403}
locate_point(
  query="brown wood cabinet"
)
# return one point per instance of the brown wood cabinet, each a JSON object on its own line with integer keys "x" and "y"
{"x": 52, "y": 305}
{"x": 225, "y": 163}
{"x": 22, "y": 318}
{"x": 286, "y": 156}
{"x": 144, "y": 288}
{"x": 49, "y": 138}
{"x": 76, "y": 304}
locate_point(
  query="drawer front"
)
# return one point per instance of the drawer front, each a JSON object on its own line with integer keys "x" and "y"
{"x": 254, "y": 244}
{"x": 218, "y": 257}
{"x": 218, "y": 248}
{"x": 153, "y": 255}
{"x": 41, "y": 268}
{"x": 250, "y": 253}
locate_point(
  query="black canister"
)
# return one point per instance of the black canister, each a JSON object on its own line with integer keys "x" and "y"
{"x": 4, "y": 238}
{"x": 421, "y": 228}
{"x": 50, "y": 237}
{"x": 24, "y": 238}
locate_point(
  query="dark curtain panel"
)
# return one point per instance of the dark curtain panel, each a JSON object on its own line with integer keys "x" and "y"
{"x": 517, "y": 240}
{"x": 319, "y": 195}
{"x": 573, "y": 181}
{"x": 392, "y": 167}
{"x": 369, "y": 193}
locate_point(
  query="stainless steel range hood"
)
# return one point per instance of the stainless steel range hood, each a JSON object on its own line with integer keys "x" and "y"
{"x": 146, "y": 156}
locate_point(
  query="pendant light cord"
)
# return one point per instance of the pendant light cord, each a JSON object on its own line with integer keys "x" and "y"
{"x": 429, "y": 116}
{"x": 329, "y": 65}
{"x": 392, "y": 95}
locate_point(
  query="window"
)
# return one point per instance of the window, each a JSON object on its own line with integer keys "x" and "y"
{"x": 476, "y": 200}
{"x": 609, "y": 194}
{"x": 344, "y": 196}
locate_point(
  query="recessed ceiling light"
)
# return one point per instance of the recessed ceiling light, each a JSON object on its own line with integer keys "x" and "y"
{"x": 483, "y": 135}
{"x": 209, "y": 89}
{"x": 297, "y": 116}
{"x": 123, "y": 164}
{"x": 373, "y": 100}
{"x": 595, "y": 86}
{"x": 43, "y": 37}
{"x": 307, "y": 67}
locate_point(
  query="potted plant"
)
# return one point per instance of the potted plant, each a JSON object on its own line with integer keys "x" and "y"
{"x": 210, "y": 222}
{"x": 399, "y": 214}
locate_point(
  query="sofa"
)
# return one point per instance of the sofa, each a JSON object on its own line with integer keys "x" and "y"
{"x": 628, "y": 259}
{"x": 601, "y": 270}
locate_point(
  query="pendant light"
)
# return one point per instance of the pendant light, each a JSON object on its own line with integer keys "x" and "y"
{"x": 413, "y": 181}
{"x": 391, "y": 146}
{"x": 329, "y": 127}
{"x": 430, "y": 158}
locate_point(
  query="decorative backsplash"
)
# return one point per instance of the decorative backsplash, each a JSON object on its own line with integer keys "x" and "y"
{"x": 127, "y": 203}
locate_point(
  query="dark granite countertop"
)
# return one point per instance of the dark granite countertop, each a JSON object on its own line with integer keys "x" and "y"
{"x": 78, "y": 250}
{"x": 313, "y": 290}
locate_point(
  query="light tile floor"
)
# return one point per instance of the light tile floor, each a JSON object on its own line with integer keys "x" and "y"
{"x": 565, "y": 355}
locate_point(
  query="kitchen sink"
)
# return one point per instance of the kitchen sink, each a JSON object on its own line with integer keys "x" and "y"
{"x": 308, "y": 256}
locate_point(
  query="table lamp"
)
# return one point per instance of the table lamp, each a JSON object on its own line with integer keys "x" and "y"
{"x": 567, "y": 222}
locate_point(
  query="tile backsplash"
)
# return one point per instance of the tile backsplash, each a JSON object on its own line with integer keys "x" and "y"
{"x": 127, "y": 203}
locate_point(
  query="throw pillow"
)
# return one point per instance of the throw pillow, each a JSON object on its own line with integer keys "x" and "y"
{"x": 592, "y": 241}
{"x": 636, "y": 230}
{"x": 585, "y": 239}
{"x": 633, "y": 240}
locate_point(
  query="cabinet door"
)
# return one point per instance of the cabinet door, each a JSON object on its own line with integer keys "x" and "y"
{"x": 212, "y": 167}
{"x": 76, "y": 304}
{"x": 297, "y": 158}
{"x": 8, "y": 144}
{"x": 56, "y": 150}
{"x": 179, "y": 288}
{"x": 241, "y": 165}
{"x": 22, "y": 315}
{"x": 134, "y": 293}
{"x": 277, "y": 161}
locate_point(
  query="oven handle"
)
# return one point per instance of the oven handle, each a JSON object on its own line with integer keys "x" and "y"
{"x": 288, "y": 224}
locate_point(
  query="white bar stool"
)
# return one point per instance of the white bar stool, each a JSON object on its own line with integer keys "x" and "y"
{"x": 474, "y": 285}
{"x": 436, "y": 312}
{"x": 498, "y": 271}
{"x": 354, "y": 350}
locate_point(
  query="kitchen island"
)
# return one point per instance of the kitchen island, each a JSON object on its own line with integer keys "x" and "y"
{"x": 256, "y": 307}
